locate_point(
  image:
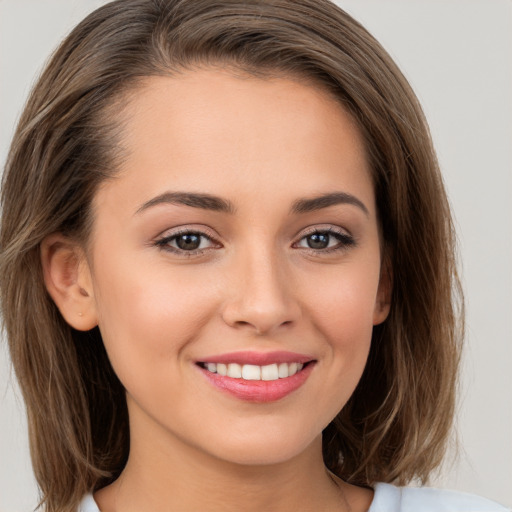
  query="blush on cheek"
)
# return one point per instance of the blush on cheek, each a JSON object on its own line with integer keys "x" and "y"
{"x": 349, "y": 307}
{"x": 153, "y": 319}
{"x": 347, "y": 324}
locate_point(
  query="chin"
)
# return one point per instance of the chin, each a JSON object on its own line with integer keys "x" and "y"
{"x": 264, "y": 448}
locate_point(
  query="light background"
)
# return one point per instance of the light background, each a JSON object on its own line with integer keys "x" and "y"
{"x": 458, "y": 56}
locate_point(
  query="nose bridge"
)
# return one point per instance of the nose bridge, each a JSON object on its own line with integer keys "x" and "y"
{"x": 262, "y": 296}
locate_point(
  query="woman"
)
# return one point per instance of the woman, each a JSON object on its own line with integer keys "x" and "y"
{"x": 227, "y": 266}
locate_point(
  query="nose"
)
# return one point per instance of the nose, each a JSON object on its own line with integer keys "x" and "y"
{"x": 261, "y": 295}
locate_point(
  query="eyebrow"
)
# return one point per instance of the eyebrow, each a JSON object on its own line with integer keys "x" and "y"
{"x": 218, "y": 204}
{"x": 326, "y": 200}
{"x": 195, "y": 200}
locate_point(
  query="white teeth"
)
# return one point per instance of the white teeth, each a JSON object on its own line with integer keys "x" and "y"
{"x": 269, "y": 372}
{"x": 283, "y": 370}
{"x": 234, "y": 370}
{"x": 253, "y": 372}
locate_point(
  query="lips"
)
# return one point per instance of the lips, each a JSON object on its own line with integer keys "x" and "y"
{"x": 257, "y": 376}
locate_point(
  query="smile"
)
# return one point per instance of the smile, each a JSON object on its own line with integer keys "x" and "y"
{"x": 257, "y": 377}
{"x": 268, "y": 372}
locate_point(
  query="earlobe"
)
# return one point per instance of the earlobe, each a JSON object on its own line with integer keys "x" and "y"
{"x": 68, "y": 281}
{"x": 383, "y": 300}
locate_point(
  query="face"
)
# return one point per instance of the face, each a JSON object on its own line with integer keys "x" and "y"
{"x": 238, "y": 245}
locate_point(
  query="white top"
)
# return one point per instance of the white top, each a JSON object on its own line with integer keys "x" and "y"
{"x": 389, "y": 498}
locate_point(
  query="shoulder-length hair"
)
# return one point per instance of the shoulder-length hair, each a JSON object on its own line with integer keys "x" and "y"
{"x": 395, "y": 426}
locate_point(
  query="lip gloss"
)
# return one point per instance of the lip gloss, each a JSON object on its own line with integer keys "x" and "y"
{"x": 262, "y": 391}
{"x": 259, "y": 390}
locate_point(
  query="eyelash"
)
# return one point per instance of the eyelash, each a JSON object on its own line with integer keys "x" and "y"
{"x": 345, "y": 241}
{"x": 163, "y": 243}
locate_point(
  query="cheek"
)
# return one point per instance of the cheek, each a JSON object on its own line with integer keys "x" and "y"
{"x": 343, "y": 306}
{"x": 342, "y": 312}
{"x": 147, "y": 317}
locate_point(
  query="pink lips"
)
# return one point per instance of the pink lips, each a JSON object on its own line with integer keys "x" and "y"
{"x": 259, "y": 390}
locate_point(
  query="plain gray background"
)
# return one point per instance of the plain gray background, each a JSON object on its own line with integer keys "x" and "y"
{"x": 458, "y": 56}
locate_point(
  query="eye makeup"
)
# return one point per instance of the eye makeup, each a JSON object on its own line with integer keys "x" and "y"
{"x": 187, "y": 242}
{"x": 318, "y": 240}
{"x": 323, "y": 241}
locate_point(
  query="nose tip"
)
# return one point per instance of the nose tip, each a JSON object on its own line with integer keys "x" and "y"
{"x": 260, "y": 321}
{"x": 261, "y": 302}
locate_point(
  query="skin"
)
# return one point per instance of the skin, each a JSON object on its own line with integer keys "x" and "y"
{"x": 255, "y": 284}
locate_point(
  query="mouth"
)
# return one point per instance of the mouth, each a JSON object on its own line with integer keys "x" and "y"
{"x": 239, "y": 375}
{"x": 269, "y": 372}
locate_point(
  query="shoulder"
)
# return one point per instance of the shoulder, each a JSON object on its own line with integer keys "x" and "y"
{"x": 88, "y": 504}
{"x": 389, "y": 498}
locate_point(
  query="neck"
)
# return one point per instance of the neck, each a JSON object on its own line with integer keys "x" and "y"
{"x": 183, "y": 479}
{"x": 164, "y": 474}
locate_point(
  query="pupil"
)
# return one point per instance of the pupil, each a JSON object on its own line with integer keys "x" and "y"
{"x": 318, "y": 240}
{"x": 188, "y": 242}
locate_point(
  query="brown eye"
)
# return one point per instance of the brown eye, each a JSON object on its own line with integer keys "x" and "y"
{"x": 318, "y": 240}
{"x": 326, "y": 241}
{"x": 188, "y": 241}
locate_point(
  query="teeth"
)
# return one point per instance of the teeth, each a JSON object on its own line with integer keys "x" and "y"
{"x": 269, "y": 372}
{"x": 283, "y": 370}
{"x": 292, "y": 370}
{"x": 234, "y": 370}
{"x": 253, "y": 372}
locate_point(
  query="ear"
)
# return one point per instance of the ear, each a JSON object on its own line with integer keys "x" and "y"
{"x": 68, "y": 280}
{"x": 384, "y": 292}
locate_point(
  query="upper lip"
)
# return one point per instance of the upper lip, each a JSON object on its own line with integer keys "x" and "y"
{"x": 258, "y": 358}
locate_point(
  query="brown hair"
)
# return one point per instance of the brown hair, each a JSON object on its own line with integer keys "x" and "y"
{"x": 395, "y": 426}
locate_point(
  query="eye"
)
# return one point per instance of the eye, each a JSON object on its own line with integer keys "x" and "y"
{"x": 190, "y": 242}
{"x": 326, "y": 240}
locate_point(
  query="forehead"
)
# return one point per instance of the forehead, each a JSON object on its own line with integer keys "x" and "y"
{"x": 210, "y": 130}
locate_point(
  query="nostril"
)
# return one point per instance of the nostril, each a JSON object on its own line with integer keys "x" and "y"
{"x": 242, "y": 322}
{"x": 262, "y": 315}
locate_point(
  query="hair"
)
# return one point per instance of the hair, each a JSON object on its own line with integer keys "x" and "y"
{"x": 395, "y": 426}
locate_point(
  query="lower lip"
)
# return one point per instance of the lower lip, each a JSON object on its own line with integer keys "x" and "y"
{"x": 259, "y": 390}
